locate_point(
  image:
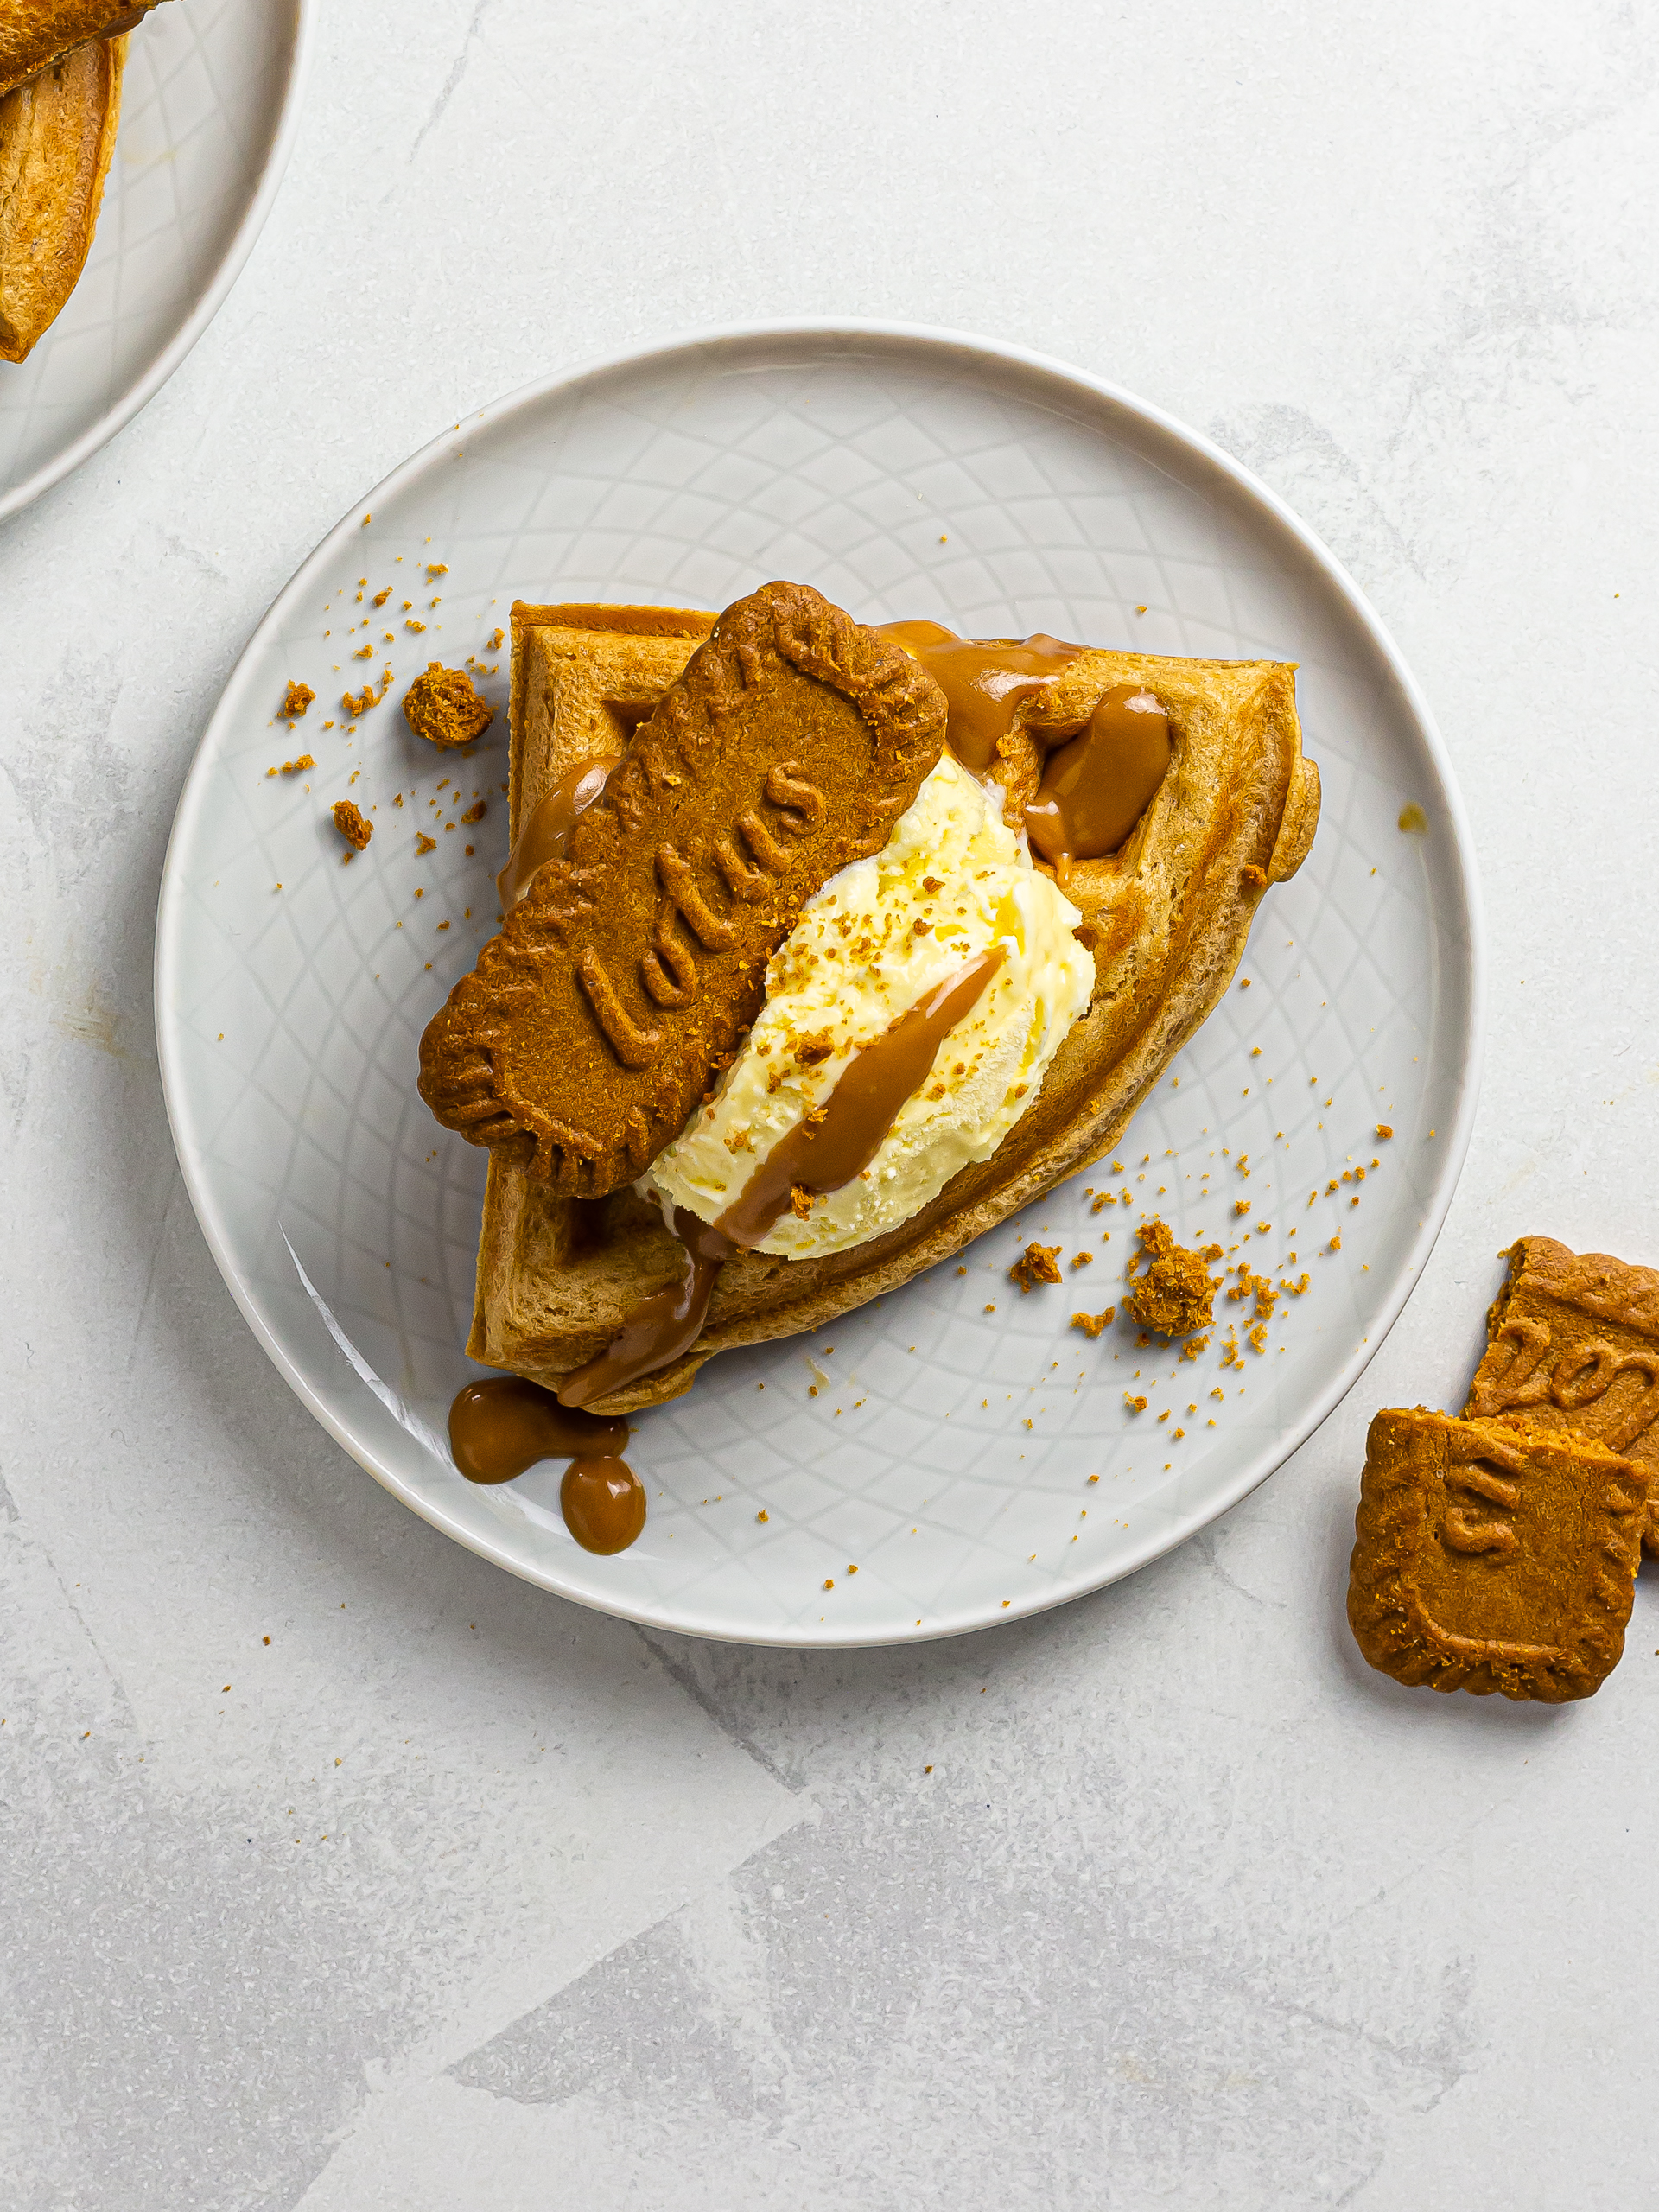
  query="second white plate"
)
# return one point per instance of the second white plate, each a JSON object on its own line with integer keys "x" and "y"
{"x": 209, "y": 103}
{"x": 954, "y": 1455}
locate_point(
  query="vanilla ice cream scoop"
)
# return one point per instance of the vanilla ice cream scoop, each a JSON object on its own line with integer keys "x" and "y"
{"x": 952, "y": 883}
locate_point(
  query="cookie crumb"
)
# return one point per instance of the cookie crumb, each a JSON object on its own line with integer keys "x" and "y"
{"x": 357, "y": 703}
{"x": 1176, "y": 1295}
{"x": 1038, "y": 1264}
{"x": 351, "y": 824}
{"x": 442, "y": 706}
{"x": 1092, "y": 1324}
{"x": 296, "y": 699}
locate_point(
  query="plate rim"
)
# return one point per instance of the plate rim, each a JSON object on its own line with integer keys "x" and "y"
{"x": 1272, "y": 1455}
{"x": 138, "y": 395}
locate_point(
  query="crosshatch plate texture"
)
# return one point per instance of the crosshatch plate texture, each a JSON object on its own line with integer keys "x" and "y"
{"x": 962, "y": 1448}
{"x": 209, "y": 102}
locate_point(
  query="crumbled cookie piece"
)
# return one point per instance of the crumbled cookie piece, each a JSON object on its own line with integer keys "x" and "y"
{"x": 1092, "y": 1324}
{"x": 352, "y": 825}
{"x": 1176, "y": 1295}
{"x": 442, "y": 706}
{"x": 296, "y": 699}
{"x": 1036, "y": 1263}
{"x": 357, "y": 703}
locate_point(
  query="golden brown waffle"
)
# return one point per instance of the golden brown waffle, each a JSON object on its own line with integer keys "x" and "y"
{"x": 1168, "y": 916}
{"x": 1494, "y": 1555}
{"x": 37, "y": 34}
{"x": 56, "y": 137}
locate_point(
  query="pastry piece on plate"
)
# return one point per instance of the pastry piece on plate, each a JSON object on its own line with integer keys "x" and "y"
{"x": 37, "y": 34}
{"x": 57, "y": 134}
{"x": 1494, "y": 1555}
{"x": 875, "y": 1059}
{"x": 1572, "y": 1343}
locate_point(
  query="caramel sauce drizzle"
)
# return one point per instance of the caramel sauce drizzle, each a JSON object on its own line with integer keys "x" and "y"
{"x": 1097, "y": 785}
{"x": 826, "y": 1150}
{"x": 1097, "y": 781}
{"x": 820, "y": 1155}
{"x": 603, "y": 1503}
{"x": 984, "y": 680}
{"x": 544, "y": 835}
{"x": 662, "y": 1326}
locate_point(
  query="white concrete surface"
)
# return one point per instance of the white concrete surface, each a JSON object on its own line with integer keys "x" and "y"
{"x": 459, "y": 1896}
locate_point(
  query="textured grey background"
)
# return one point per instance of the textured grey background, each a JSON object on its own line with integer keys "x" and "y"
{"x": 461, "y": 1896}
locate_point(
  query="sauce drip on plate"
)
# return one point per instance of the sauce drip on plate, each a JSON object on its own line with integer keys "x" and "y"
{"x": 499, "y": 1427}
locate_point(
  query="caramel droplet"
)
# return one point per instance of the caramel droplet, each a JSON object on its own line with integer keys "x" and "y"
{"x": 603, "y": 1503}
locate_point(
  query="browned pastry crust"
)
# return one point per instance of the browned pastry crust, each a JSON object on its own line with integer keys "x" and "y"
{"x": 57, "y": 136}
{"x": 37, "y": 34}
{"x": 1572, "y": 1343}
{"x": 1494, "y": 1555}
{"x": 1168, "y": 916}
{"x": 581, "y": 1043}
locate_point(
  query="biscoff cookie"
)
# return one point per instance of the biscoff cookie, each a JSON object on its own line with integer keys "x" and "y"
{"x": 1494, "y": 1555}
{"x": 593, "y": 1023}
{"x": 1572, "y": 1343}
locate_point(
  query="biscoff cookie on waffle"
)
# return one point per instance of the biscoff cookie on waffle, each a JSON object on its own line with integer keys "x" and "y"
{"x": 787, "y": 749}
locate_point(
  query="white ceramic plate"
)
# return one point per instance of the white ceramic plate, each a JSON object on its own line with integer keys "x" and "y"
{"x": 944, "y": 1450}
{"x": 209, "y": 103}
